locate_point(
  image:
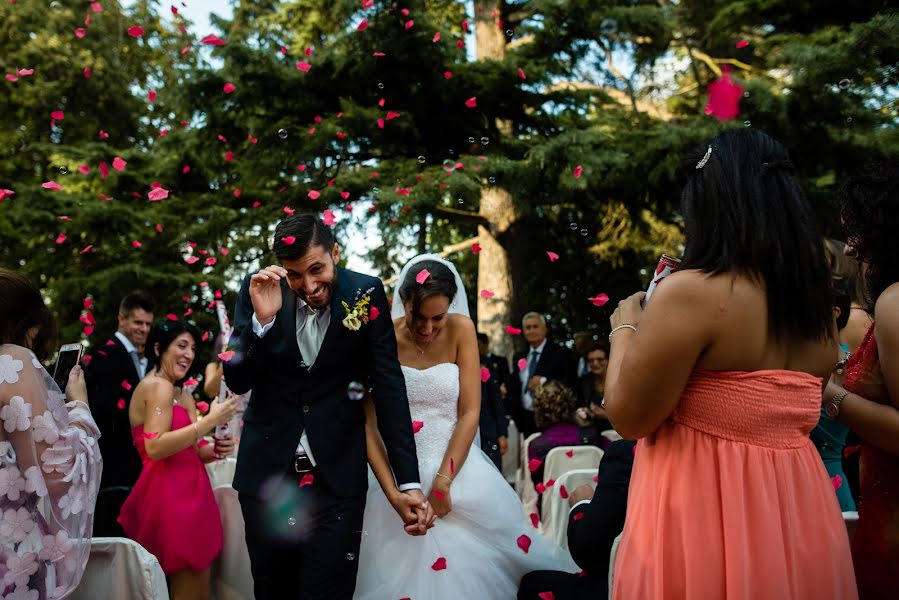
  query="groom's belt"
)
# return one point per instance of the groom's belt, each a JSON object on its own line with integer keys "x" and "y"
{"x": 302, "y": 464}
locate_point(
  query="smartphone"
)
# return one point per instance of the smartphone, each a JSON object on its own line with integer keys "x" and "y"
{"x": 69, "y": 356}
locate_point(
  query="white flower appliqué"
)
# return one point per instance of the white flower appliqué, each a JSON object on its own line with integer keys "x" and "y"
{"x": 16, "y": 415}
{"x": 16, "y": 523}
{"x": 45, "y": 428}
{"x": 10, "y": 368}
{"x": 55, "y": 546}
{"x": 11, "y": 482}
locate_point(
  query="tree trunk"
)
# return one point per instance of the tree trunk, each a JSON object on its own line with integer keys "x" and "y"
{"x": 497, "y": 207}
{"x": 494, "y": 270}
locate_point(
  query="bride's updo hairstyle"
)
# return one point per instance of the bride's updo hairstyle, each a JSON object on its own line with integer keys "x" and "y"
{"x": 440, "y": 282}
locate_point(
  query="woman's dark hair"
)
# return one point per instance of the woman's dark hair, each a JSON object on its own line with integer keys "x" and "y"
{"x": 440, "y": 282}
{"x": 21, "y": 308}
{"x": 870, "y": 212}
{"x": 599, "y": 345}
{"x": 842, "y": 301}
{"x": 304, "y": 231}
{"x": 745, "y": 213}
{"x": 846, "y": 269}
{"x": 553, "y": 403}
{"x": 164, "y": 333}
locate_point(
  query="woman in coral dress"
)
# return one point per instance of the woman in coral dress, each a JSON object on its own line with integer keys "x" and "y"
{"x": 720, "y": 377}
{"x": 171, "y": 511}
{"x": 868, "y": 399}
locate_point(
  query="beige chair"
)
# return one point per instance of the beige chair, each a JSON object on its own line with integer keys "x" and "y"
{"x": 555, "y": 508}
{"x": 121, "y": 568}
{"x": 221, "y": 472}
{"x": 511, "y": 460}
{"x": 523, "y": 484}
{"x": 611, "y": 435}
{"x": 612, "y": 556}
{"x": 231, "y": 576}
{"x": 559, "y": 462}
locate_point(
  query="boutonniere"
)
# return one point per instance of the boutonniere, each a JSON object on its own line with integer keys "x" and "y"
{"x": 357, "y": 316}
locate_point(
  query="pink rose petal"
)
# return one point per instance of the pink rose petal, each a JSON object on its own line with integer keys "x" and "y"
{"x": 136, "y": 244}
{"x": 416, "y": 426}
{"x": 51, "y": 185}
{"x": 436, "y": 37}
{"x": 599, "y": 299}
{"x": 524, "y": 542}
{"x": 135, "y": 31}
{"x": 485, "y": 374}
{"x": 158, "y": 194}
{"x": 512, "y": 330}
{"x": 80, "y": 32}
{"x": 563, "y": 492}
{"x": 472, "y": 102}
{"x": 742, "y": 43}
{"x": 118, "y": 164}
{"x": 553, "y": 257}
{"x": 487, "y": 294}
{"x": 57, "y": 115}
{"x": 226, "y": 356}
{"x": 303, "y": 66}
{"x": 373, "y": 313}
{"x": 229, "y": 87}
{"x": 307, "y": 480}
{"x": 213, "y": 40}
{"x": 422, "y": 276}
{"x": 439, "y": 564}
{"x": 534, "y": 464}
{"x": 5, "y": 193}
{"x": 203, "y": 406}
{"x": 328, "y": 217}
{"x": 314, "y": 195}
{"x": 577, "y": 171}
{"x": 363, "y": 25}
{"x": 546, "y": 596}
{"x": 60, "y": 238}
{"x": 522, "y": 364}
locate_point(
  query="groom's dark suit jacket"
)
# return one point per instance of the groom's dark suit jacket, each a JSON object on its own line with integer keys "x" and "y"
{"x": 288, "y": 397}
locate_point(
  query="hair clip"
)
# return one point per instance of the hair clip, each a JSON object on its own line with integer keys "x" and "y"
{"x": 705, "y": 159}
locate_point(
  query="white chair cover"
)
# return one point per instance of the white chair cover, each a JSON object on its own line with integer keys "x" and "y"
{"x": 221, "y": 472}
{"x": 612, "y": 555}
{"x": 231, "y": 576}
{"x": 555, "y": 508}
{"x": 523, "y": 484}
{"x": 121, "y": 568}
{"x": 611, "y": 435}
{"x": 558, "y": 462}
{"x": 512, "y": 458}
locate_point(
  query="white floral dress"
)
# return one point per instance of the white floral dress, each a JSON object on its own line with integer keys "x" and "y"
{"x": 50, "y": 468}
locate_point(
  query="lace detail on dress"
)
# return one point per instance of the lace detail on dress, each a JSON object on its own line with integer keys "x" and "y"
{"x": 433, "y": 395}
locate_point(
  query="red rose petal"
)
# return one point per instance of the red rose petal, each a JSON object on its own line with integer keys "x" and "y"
{"x": 307, "y": 480}
{"x": 524, "y": 542}
{"x": 227, "y": 355}
{"x": 512, "y": 330}
{"x": 485, "y": 374}
{"x": 439, "y": 564}
{"x": 416, "y": 426}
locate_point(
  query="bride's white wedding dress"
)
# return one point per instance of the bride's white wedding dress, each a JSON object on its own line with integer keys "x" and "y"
{"x": 478, "y": 541}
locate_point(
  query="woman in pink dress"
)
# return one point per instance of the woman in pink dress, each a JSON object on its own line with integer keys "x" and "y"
{"x": 720, "y": 377}
{"x": 868, "y": 399}
{"x": 171, "y": 511}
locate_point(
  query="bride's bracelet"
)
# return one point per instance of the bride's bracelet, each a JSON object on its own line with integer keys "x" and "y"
{"x": 439, "y": 474}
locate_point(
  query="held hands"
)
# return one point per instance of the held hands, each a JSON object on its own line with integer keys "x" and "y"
{"x": 265, "y": 293}
{"x": 629, "y": 311}
{"x": 440, "y": 498}
{"x": 414, "y": 510}
{"x": 76, "y": 388}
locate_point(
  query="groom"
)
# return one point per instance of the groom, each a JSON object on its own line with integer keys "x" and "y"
{"x": 309, "y": 337}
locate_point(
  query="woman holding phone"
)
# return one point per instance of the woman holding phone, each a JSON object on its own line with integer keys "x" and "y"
{"x": 49, "y": 460}
{"x": 171, "y": 511}
{"x": 720, "y": 378}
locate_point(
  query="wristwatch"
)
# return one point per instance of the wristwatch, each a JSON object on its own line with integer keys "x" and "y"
{"x": 832, "y": 408}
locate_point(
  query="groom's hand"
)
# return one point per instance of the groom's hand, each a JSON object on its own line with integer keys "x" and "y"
{"x": 414, "y": 510}
{"x": 265, "y": 293}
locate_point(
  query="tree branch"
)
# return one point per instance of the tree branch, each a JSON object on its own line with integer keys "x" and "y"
{"x": 461, "y": 216}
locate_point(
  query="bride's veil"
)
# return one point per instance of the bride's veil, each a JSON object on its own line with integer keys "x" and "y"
{"x": 459, "y": 303}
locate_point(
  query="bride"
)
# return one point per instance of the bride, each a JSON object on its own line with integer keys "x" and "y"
{"x": 481, "y": 545}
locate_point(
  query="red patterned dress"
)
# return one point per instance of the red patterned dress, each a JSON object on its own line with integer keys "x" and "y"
{"x": 875, "y": 547}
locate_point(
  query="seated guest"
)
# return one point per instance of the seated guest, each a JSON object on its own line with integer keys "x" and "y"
{"x": 583, "y": 341}
{"x": 595, "y": 520}
{"x": 49, "y": 461}
{"x": 554, "y": 410}
{"x": 171, "y": 511}
{"x": 592, "y": 386}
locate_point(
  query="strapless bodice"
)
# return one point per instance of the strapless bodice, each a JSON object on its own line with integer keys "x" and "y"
{"x": 433, "y": 395}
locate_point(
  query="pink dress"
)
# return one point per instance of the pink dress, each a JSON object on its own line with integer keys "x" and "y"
{"x": 875, "y": 546}
{"x": 171, "y": 511}
{"x": 730, "y": 499}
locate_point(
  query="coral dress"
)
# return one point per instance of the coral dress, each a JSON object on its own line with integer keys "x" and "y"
{"x": 875, "y": 546}
{"x": 730, "y": 499}
{"x": 171, "y": 511}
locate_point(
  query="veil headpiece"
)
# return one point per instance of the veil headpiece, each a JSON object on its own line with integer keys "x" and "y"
{"x": 459, "y": 302}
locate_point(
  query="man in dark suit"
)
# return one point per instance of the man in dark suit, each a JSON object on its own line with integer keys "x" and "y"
{"x": 595, "y": 520}
{"x": 309, "y": 338}
{"x": 112, "y": 370}
{"x": 494, "y": 425}
{"x": 545, "y": 361}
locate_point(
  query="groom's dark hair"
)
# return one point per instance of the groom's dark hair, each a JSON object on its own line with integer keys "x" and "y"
{"x": 296, "y": 234}
{"x": 439, "y": 282}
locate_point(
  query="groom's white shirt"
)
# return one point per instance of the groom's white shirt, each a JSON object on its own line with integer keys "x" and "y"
{"x": 311, "y": 329}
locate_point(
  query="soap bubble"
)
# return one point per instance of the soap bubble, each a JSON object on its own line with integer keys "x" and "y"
{"x": 422, "y": 159}
{"x": 485, "y": 140}
{"x": 584, "y": 232}
{"x": 573, "y": 226}
{"x": 355, "y": 391}
{"x": 282, "y": 133}
{"x": 844, "y": 84}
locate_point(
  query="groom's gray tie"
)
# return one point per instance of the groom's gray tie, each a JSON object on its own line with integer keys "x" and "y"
{"x": 309, "y": 333}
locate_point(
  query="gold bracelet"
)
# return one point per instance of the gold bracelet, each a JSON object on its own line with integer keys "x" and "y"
{"x": 626, "y": 325}
{"x": 439, "y": 474}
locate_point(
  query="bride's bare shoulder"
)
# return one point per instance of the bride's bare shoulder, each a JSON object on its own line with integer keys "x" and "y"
{"x": 461, "y": 326}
